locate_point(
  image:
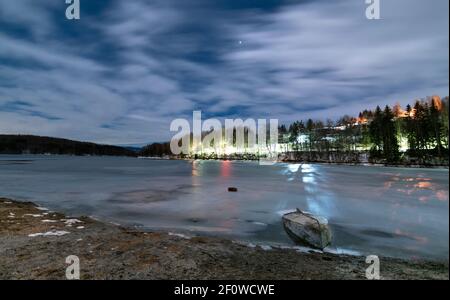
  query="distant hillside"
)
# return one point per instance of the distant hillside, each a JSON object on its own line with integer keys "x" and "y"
{"x": 29, "y": 144}
{"x": 156, "y": 149}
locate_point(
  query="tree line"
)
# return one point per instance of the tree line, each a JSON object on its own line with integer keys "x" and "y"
{"x": 419, "y": 132}
{"x": 29, "y": 144}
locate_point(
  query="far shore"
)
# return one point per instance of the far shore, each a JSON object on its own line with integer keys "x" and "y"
{"x": 34, "y": 244}
{"x": 366, "y": 164}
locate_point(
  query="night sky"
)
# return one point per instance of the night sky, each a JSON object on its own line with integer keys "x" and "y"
{"x": 126, "y": 69}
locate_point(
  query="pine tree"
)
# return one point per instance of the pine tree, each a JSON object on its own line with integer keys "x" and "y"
{"x": 390, "y": 141}
{"x": 436, "y": 126}
{"x": 409, "y": 131}
{"x": 375, "y": 130}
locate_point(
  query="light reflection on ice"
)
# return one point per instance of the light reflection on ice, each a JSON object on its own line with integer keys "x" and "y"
{"x": 293, "y": 168}
{"x": 308, "y": 179}
{"x": 308, "y": 168}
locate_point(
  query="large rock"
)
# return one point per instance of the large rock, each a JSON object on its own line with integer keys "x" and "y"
{"x": 307, "y": 230}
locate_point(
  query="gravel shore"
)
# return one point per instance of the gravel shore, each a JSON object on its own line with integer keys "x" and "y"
{"x": 34, "y": 244}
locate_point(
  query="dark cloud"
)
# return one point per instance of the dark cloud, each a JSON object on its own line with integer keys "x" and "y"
{"x": 127, "y": 68}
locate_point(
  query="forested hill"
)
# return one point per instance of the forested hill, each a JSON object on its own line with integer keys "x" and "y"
{"x": 29, "y": 144}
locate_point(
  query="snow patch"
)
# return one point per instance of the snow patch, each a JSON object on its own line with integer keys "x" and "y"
{"x": 265, "y": 247}
{"x": 300, "y": 249}
{"x": 343, "y": 251}
{"x": 32, "y": 215}
{"x": 49, "y": 233}
{"x": 49, "y": 221}
{"x": 70, "y": 222}
{"x": 245, "y": 244}
{"x": 306, "y": 250}
{"x": 180, "y": 235}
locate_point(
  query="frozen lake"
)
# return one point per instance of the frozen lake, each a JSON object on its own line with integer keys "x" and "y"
{"x": 400, "y": 212}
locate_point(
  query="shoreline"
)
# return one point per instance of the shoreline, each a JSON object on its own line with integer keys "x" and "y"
{"x": 364, "y": 164}
{"x": 35, "y": 242}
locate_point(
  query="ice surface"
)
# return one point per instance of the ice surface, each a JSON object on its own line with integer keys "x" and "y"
{"x": 401, "y": 212}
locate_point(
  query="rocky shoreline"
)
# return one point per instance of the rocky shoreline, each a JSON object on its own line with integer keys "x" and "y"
{"x": 34, "y": 244}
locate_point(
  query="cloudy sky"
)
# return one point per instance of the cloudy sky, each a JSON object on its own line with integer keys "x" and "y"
{"x": 126, "y": 69}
